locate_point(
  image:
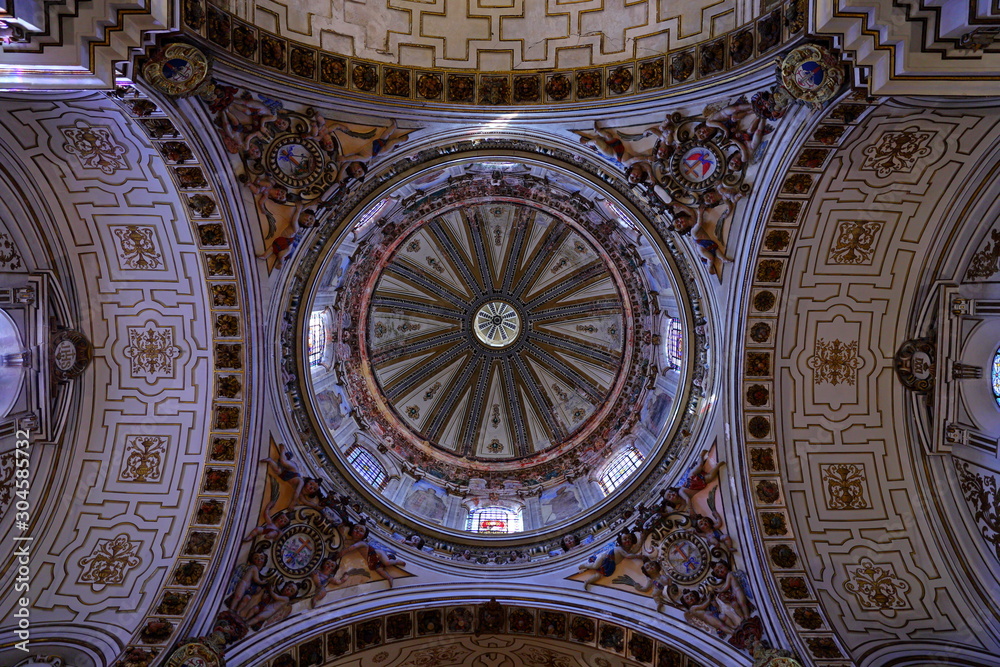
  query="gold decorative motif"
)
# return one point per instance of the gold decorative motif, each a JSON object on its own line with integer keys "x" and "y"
{"x": 95, "y": 146}
{"x": 152, "y": 351}
{"x": 897, "y": 151}
{"x": 845, "y": 486}
{"x": 143, "y": 460}
{"x": 877, "y": 588}
{"x": 984, "y": 264}
{"x": 10, "y": 258}
{"x": 109, "y": 562}
{"x": 855, "y": 242}
{"x": 7, "y": 467}
{"x": 138, "y": 247}
{"x": 835, "y": 362}
{"x": 981, "y": 494}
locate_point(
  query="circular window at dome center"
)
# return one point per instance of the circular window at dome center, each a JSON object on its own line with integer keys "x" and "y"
{"x": 497, "y": 325}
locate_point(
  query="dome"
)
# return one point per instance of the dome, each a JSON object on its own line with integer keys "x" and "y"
{"x": 491, "y": 343}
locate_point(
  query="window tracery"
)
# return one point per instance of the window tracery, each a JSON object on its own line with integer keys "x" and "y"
{"x": 619, "y": 469}
{"x": 495, "y": 520}
{"x": 368, "y": 467}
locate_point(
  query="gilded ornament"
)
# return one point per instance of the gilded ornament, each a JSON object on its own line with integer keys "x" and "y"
{"x": 396, "y": 82}
{"x": 272, "y": 52}
{"x": 762, "y": 459}
{"x": 152, "y": 351}
{"x": 845, "y": 486}
{"x": 494, "y": 90}
{"x": 651, "y": 74}
{"x": 783, "y": 556}
{"x": 786, "y": 211}
{"x": 558, "y": 87}
{"x": 984, "y": 264}
{"x": 96, "y": 147}
{"x": 916, "y": 363}
{"x": 461, "y": 88}
{"x": 620, "y": 80}
{"x": 143, "y": 458}
{"x": 855, "y": 242}
{"x": 109, "y": 562}
{"x": 897, "y": 151}
{"x": 713, "y": 58}
{"x": 302, "y": 62}
{"x": 138, "y": 248}
{"x": 218, "y": 26}
{"x": 211, "y": 235}
{"x": 835, "y": 362}
{"x": 70, "y": 352}
{"x": 760, "y": 332}
{"x": 741, "y": 46}
{"x": 877, "y": 588}
{"x": 177, "y": 70}
{"x": 429, "y": 86}
{"x": 769, "y": 31}
{"x": 527, "y": 88}
{"x": 588, "y": 84}
{"x": 681, "y": 66}
{"x": 244, "y": 40}
{"x": 333, "y": 70}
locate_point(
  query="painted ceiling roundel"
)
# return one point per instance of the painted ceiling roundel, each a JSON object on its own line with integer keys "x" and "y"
{"x": 496, "y": 331}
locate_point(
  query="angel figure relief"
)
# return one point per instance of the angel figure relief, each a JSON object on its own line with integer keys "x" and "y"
{"x": 679, "y": 553}
{"x": 693, "y": 168}
{"x": 295, "y": 162}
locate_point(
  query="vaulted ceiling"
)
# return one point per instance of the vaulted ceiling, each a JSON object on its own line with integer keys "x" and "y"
{"x": 777, "y": 295}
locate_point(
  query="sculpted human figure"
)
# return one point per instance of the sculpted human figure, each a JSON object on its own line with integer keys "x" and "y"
{"x": 688, "y": 220}
{"x": 376, "y": 559}
{"x": 604, "y": 565}
{"x": 706, "y": 610}
{"x": 731, "y": 590}
{"x": 269, "y": 527}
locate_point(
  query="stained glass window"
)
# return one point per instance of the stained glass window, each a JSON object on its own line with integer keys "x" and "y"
{"x": 368, "y": 467}
{"x": 317, "y": 338}
{"x": 675, "y": 342}
{"x": 995, "y": 376}
{"x": 493, "y": 519}
{"x": 619, "y": 469}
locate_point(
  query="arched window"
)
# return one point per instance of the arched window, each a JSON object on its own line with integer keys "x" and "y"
{"x": 995, "y": 376}
{"x": 675, "y": 342}
{"x": 494, "y": 520}
{"x": 317, "y": 338}
{"x": 368, "y": 467}
{"x": 619, "y": 469}
{"x": 371, "y": 214}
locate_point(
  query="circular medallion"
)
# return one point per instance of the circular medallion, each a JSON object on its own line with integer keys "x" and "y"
{"x": 194, "y": 654}
{"x": 698, "y": 165}
{"x": 811, "y": 74}
{"x": 70, "y": 352}
{"x": 916, "y": 365}
{"x": 295, "y": 162}
{"x": 177, "y": 70}
{"x": 497, "y": 324}
{"x": 298, "y": 550}
{"x": 684, "y": 557}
